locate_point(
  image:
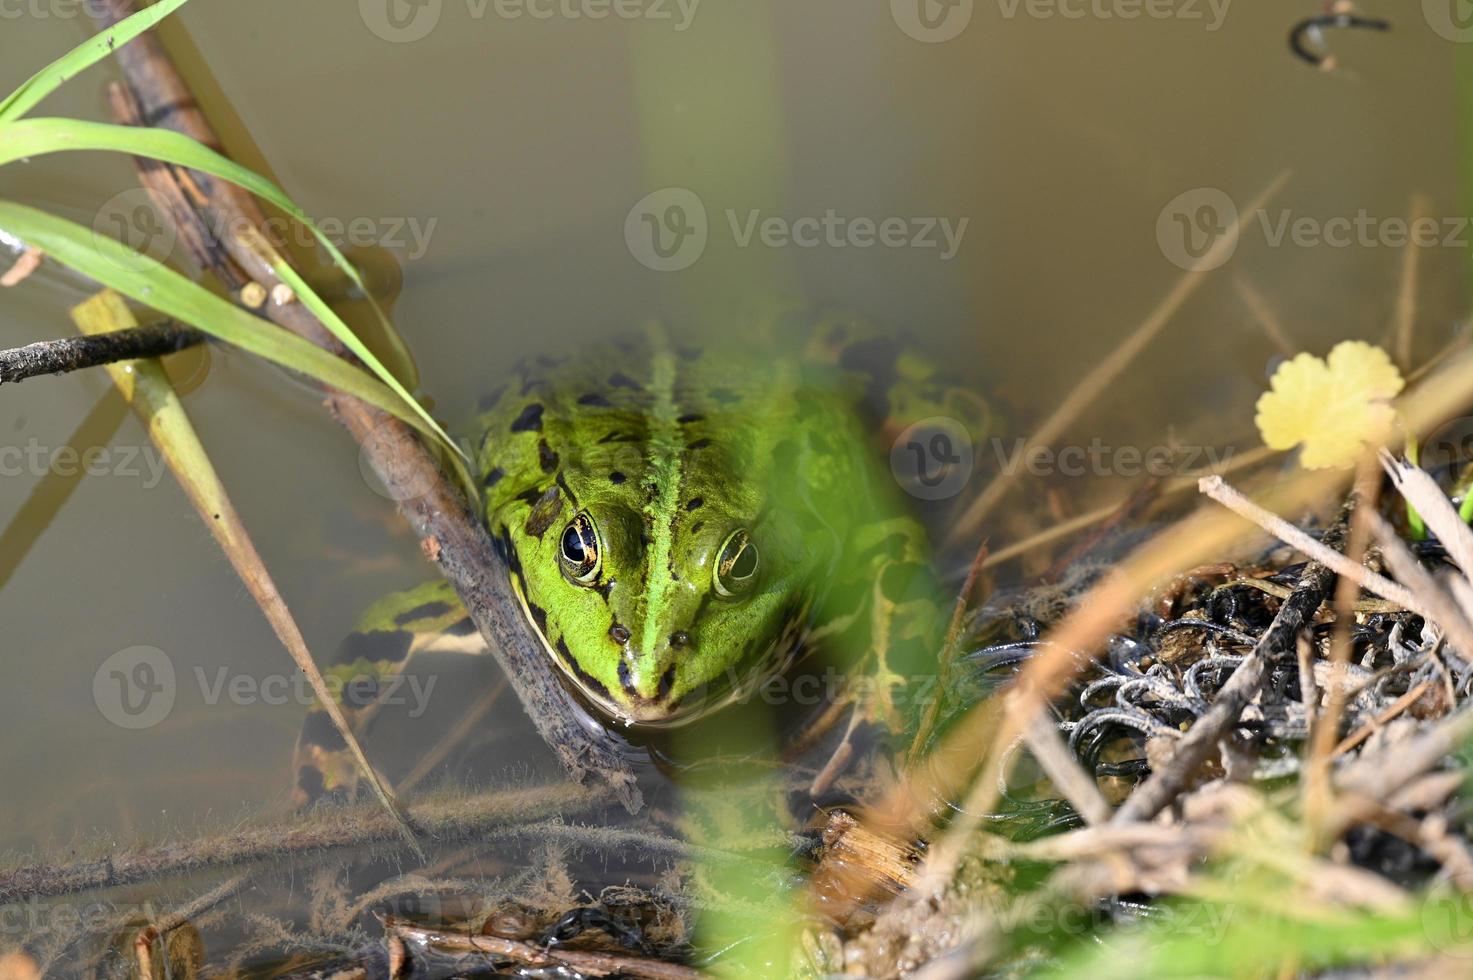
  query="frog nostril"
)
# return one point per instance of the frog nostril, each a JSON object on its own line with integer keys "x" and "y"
{"x": 619, "y": 634}
{"x": 679, "y": 639}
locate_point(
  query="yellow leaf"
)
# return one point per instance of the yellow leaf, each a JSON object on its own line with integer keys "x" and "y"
{"x": 1335, "y": 407}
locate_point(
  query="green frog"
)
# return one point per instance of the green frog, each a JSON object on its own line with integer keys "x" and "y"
{"x": 680, "y": 523}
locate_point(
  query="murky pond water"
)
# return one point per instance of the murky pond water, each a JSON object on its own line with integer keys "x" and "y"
{"x": 1017, "y": 186}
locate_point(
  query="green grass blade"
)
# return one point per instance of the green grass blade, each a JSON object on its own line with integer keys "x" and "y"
{"x": 82, "y": 57}
{"x": 150, "y": 282}
{"x": 37, "y": 137}
{"x": 343, "y": 332}
{"x": 146, "y": 388}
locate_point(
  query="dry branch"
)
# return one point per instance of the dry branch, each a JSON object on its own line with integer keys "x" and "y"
{"x": 449, "y": 532}
{"x": 75, "y": 353}
{"x": 324, "y": 828}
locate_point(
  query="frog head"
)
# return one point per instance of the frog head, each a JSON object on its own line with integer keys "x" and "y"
{"x": 658, "y": 600}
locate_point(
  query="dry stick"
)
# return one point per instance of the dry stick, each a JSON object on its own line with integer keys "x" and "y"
{"x": 1422, "y": 491}
{"x": 1314, "y": 787}
{"x": 1064, "y": 770}
{"x": 1113, "y": 365}
{"x": 299, "y": 835}
{"x": 1264, "y": 315}
{"x": 1371, "y": 727}
{"x": 1277, "y": 643}
{"x": 1218, "y": 489}
{"x": 1406, "y": 295}
{"x": 1377, "y": 776}
{"x": 51, "y": 493}
{"x": 450, "y": 534}
{"x": 1408, "y": 570}
{"x": 536, "y": 956}
{"x": 75, "y": 353}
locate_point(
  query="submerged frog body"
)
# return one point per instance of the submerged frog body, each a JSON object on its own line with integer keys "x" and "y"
{"x": 678, "y": 523}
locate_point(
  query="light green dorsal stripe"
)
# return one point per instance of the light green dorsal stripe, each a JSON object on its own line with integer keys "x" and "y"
{"x": 666, "y": 448}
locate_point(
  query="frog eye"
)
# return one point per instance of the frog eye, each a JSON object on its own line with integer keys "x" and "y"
{"x": 736, "y": 566}
{"x": 578, "y": 550}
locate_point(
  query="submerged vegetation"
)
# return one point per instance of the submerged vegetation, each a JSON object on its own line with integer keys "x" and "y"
{"x": 1181, "y": 743}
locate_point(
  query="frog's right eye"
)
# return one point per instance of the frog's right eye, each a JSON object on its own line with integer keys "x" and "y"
{"x": 578, "y": 550}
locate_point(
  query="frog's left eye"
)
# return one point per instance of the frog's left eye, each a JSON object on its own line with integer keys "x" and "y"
{"x": 578, "y": 550}
{"x": 736, "y": 565}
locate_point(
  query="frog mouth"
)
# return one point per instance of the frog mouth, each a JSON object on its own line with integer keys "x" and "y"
{"x": 661, "y": 713}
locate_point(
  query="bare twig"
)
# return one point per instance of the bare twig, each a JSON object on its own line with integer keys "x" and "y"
{"x": 449, "y": 532}
{"x": 1059, "y": 764}
{"x": 536, "y": 956}
{"x": 322, "y": 829}
{"x": 75, "y": 353}
{"x": 1264, "y": 316}
{"x": 1216, "y": 488}
{"x": 1403, "y": 327}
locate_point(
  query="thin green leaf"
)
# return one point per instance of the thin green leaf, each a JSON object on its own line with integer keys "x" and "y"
{"x": 146, "y": 387}
{"x": 82, "y": 57}
{"x": 150, "y": 282}
{"x": 37, "y": 137}
{"x": 343, "y": 332}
